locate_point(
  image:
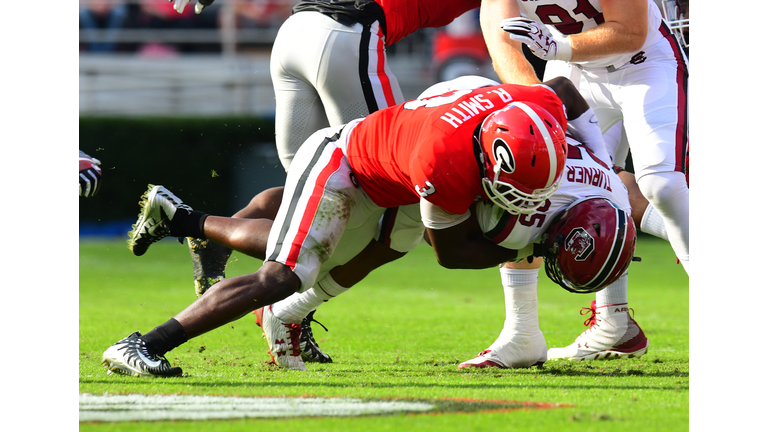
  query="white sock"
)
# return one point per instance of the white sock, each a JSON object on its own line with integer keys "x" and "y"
{"x": 668, "y": 192}
{"x": 613, "y": 294}
{"x": 653, "y": 224}
{"x": 521, "y": 300}
{"x": 294, "y": 308}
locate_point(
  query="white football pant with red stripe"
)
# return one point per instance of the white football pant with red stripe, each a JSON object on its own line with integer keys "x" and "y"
{"x": 325, "y": 218}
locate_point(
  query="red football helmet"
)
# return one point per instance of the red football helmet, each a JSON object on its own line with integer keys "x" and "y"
{"x": 589, "y": 245}
{"x": 523, "y": 149}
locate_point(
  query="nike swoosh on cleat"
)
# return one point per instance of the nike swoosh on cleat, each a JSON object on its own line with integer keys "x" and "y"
{"x": 148, "y": 361}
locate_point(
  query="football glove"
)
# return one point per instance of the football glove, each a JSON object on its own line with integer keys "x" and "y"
{"x": 538, "y": 38}
{"x": 90, "y": 175}
{"x": 179, "y": 5}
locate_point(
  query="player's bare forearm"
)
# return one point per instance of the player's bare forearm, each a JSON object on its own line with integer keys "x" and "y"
{"x": 465, "y": 247}
{"x": 624, "y": 31}
{"x": 473, "y": 255}
{"x": 507, "y": 56}
{"x": 574, "y": 102}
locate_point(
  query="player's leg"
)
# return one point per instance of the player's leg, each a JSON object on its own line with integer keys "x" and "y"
{"x": 354, "y": 79}
{"x": 521, "y": 342}
{"x": 164, "y": 214}
{"x": 294, "y": 63}
{"x": 302, "y": 239}
{"x": 611, "y": 330}
{"x": 210, "y": 255}
{"x": 645, "y": 216}
{"x": 654, "y": 95}
{"x": 299, "y": 112}
{"x": 398, "y": 231}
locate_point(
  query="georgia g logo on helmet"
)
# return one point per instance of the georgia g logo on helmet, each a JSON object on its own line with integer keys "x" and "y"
{"x": 580, "y": 243}
{"x": 503, "y": 156}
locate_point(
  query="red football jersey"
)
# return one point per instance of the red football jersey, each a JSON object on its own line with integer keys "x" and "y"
{"x": 425, "y": 147}
{"x": 404, "y": 17}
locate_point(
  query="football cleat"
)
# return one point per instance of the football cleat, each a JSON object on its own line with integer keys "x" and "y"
{"x": 282, "y": 338}
{"x": 158, "y": 207}
{"x": 516, "y": 351}
{"x": 310, "y": 350}
{"x": 209, "y": 260}
{"x": 612, "y": 333}
{"x": 130, "y": 356}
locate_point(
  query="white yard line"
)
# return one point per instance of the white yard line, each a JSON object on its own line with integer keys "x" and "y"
{"x": 115, "y": 408}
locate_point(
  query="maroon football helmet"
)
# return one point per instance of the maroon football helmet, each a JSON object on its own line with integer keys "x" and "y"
{"x": 523, "y": 150}
{"x": 589, "y": 246}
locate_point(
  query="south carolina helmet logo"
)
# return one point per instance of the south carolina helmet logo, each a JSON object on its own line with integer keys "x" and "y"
{"x": 580, "y": 243}
{"x": 503, "y": 155}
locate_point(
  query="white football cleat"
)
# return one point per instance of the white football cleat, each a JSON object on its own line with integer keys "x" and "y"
{"x": 612, "y": 333}
{"x": 130, "y": 356}
{"x": 515, "y": 351}
{"x": 283, "y": 339}
{"x": 158, "y": 207}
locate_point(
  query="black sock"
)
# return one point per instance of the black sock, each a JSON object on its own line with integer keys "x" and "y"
{"x": 165, "y": 337}
{"x": 188, "y": 224}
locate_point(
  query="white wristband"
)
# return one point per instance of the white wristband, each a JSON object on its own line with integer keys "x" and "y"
{"x": 564, "y": 51}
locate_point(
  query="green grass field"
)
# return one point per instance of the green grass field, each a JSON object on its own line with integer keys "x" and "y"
{"x": 399, "y": 334}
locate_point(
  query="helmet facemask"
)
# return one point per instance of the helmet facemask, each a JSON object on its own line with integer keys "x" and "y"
{"x": 515, "y": 200}
{"x": 523, "y": 154}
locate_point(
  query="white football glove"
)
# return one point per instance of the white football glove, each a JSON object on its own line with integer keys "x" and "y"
{"x": 90, "y": 175}
{"x": 179, "y": 5}
{"x": 538, "y": 38}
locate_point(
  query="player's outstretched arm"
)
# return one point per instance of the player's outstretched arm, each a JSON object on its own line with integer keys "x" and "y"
{"x": 464, "y": 246}
{"x": 507, "y": 56}
{"x": 582, "y": 122}
{"x": 574, "y": 102}
{"x": 624, "y": 31}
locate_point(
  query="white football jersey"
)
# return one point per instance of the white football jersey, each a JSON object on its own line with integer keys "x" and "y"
{"x": 577, "y": 16}
{"x": 584, "y": 176}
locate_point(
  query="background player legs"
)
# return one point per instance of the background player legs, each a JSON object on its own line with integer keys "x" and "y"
{"x": 669, "y": 193}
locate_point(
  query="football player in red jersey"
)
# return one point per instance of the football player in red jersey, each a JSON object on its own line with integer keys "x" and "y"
{"x": 328, "y": 67}
{"x": 440, "y": 151}
{"x": 521, "y": 343}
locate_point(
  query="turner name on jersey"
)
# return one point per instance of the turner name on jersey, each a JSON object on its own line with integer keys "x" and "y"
{"x": 584, "y": 175}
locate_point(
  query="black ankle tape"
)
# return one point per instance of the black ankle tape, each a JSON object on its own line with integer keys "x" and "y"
{"x": 188, "y": 225}
{"x": 165, "y": 337}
